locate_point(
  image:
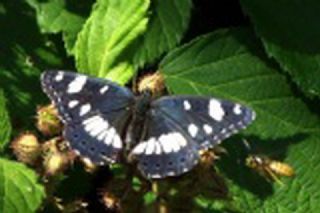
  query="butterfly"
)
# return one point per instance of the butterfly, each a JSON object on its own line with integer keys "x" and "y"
{"x": 106, "y": 123}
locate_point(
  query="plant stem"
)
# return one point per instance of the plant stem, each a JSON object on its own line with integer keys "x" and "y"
{"x": 161, "y": 203}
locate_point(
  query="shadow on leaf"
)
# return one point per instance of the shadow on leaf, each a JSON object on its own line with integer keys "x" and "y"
{"x": 234, "y": 167}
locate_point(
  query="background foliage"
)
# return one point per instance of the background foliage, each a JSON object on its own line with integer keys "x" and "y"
{"x": 259, "y": 53}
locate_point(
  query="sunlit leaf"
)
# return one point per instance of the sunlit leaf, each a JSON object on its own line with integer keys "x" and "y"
{"x": 19, "y": 188}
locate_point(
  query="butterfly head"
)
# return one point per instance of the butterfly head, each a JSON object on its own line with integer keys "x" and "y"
{"x": 143, "y": 102}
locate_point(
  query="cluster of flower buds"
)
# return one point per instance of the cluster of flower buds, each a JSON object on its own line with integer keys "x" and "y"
{"x": 53, "y": 153}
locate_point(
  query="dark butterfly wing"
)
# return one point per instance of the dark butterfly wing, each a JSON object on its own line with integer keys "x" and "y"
{"x": 179, "y": 126}
{"x": 167, "y": 150}
{"x": 93, "y": 110}
{"x": 207, "y": 121}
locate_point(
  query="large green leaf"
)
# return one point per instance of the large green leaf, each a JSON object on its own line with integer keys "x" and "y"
{"x": 53, "y": 16}
{"x": 168, "y": 22}
{"x": 19, "y": 188}
{"x": 291, "y": 34}
{"x": 111, "y": 27}
{"x": 230, "y": 64}
{"x": 5, "y": 125}
{"x": 222, "y": 65}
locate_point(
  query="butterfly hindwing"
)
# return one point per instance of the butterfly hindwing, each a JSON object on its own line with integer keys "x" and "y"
{"x": 96, "y": 138}
{"x": 166, "y": 150}
{"x": 93, "y": 110}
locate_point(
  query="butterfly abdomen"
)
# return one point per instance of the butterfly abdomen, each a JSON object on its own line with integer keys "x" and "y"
{"x": 136, "y": 127}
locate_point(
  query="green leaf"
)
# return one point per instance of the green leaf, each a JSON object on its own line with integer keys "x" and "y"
{"x": 111, "y": 27}
{"x": 5, "y": 125}
{"x": 303, "y": 188}
{"x": 228, "y": 64}
{"x": 136, "y": 184}
{"x": 53, "y": 16}
{"x": 19, "y": 189}
{"x": 168, "y": 22}
{"x": 149, "y": 198}
{"x": 253, "y": 193}
{"x": 291, "y": 34}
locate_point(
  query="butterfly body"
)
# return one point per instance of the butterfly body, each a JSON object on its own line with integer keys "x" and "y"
{"x": 104, "y": 121}
{"x": 136, "y": 124}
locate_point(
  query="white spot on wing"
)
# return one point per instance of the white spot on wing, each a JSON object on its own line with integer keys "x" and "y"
{"x": 91, "y": 123}
{"x": 59, "y": 77}
{"x": 91, "y": 119}
{"x": 237, "y": 109}
{"x": 215, "y": 110}
{"x": 117, "y": 142}
{"x": 185, "y": 169}
{"x": 150, "y": 146}
{"x": 181, "y": 140}
{"x": 193, "y": 130}
{"x": 85, "y": 109}
{"x": 97, "y": 127}
{"x": 207, "y": 129}
{"x": 139, "y": 148}
{"x": 171, "y": 173}
{"x": 155, "y": 176}
{"x": 158, "y": 148}
{"x": 73, "y": 103}
{"x": 77, "y": 84}
{"x": 110, "y": 136}
{"x": 104, "y": 89}
{"x": 168, "y": 143}
{"x": 187, "y": 105}
{"x": 102, "y": 126}
{"x": 102, "y": 135}
{"x": 172, "y": 142}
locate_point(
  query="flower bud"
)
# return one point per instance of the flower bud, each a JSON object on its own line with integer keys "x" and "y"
{"x": 48, "y": 122}
{"x": 26, "y": 148}
{"x": 153, "y": 82}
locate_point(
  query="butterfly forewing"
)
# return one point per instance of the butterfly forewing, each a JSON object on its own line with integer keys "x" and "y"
{"x": 77, "y": 96}
{"x": 207, "y": 120}
{"x": 94, "y": 111}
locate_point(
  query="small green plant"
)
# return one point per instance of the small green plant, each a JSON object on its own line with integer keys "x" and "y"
{"x": 269, "y": 61}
